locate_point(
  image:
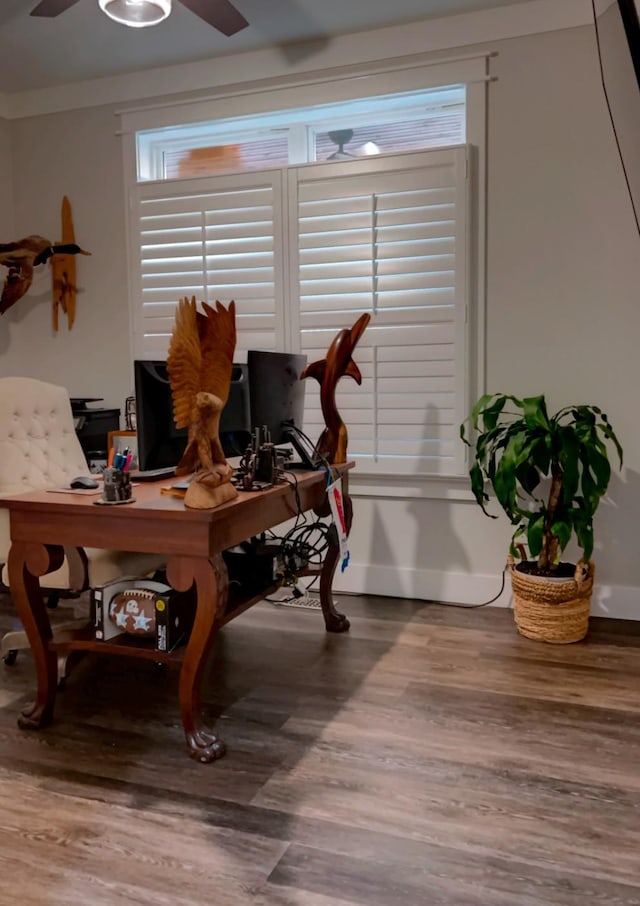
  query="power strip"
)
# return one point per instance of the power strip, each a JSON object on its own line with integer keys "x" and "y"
{"x": 304, "y": 602}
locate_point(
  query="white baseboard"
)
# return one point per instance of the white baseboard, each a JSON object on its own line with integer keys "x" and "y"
{"x": 621, "y": 602}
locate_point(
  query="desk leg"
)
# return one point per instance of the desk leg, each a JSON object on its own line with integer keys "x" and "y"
{"x": 26, "y": 563}
{"x": 211, "y": 581}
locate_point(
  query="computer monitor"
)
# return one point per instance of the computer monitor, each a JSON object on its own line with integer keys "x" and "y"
{"x": 276, "y": 391}
{"x": 235, "y": 421}
{"x": 160, "y": 443}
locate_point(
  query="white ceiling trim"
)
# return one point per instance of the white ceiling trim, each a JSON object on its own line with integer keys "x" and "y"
{"x": 490, "y": 25}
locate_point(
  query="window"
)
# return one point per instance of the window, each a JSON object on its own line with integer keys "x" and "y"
{"x": 374, "y": 125}
{"x": 305, "y": 247}
{"x": 237, "y": 155}
{"x": 446, "y": 128}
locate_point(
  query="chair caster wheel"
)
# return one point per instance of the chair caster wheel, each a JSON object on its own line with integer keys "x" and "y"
{"x": 10, "y": 657}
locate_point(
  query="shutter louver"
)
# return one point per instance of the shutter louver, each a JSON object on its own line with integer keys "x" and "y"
{"x": 214, "y": 239}
{"x": 393, "y": 243}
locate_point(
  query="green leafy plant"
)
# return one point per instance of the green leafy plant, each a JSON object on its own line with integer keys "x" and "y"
{"x": 516, "y": 444}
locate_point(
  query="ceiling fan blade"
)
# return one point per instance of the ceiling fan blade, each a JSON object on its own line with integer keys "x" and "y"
{"x": 220, "y": 13}
{"x": 52, "y": 8}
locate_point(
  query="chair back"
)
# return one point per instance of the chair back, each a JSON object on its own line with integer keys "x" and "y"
{"x": 39, "y": 447}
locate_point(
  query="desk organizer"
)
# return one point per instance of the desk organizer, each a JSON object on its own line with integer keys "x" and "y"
{"x": 117, "y": 487}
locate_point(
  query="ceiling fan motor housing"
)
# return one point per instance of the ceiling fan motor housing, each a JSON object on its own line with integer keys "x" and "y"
{"x": 220, "y": 14}
{"x": 137, "y": 13}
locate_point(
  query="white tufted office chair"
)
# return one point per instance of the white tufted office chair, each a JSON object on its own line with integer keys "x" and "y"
{"x": 39, "y": 448}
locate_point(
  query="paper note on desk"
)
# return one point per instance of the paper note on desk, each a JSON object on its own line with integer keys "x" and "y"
{"x": 179, "y": 489}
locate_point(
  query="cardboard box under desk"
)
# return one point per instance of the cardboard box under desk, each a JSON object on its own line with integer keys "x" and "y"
{"x": 167, "y": 615}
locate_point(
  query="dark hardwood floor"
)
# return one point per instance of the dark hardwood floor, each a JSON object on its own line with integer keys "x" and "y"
{"x": 430, "y": 756}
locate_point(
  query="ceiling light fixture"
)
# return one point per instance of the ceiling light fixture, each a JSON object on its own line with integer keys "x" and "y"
{"x": 136, "y": 13}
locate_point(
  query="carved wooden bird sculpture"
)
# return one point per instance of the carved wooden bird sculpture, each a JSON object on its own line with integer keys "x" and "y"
{"x": 199, "y": 362}
{"x": 332, "y": 444}
{"x": 21, "y": 257}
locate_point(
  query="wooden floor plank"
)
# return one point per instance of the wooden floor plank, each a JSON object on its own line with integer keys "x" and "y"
{"x": 442, "y": 879}
{"x": 430, "y": 756}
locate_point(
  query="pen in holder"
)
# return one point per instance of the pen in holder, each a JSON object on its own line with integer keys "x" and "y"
{"x": 117, "y": 486}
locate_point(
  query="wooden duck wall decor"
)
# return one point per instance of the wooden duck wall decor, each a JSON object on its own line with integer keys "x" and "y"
{"x": 63, "y": 268}
{"x": 21, "y": 257}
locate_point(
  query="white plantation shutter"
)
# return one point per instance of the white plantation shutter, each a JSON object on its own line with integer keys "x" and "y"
{"x": 213, "y": 238}
{"x": 388, "y": 237}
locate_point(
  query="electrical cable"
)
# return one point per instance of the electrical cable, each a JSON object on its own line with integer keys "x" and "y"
{"x": 303, "y": 545}
{"x": 444, "y": 603}
{"x": 484, "y": 603}
{"x": 293, "y": 427}
{"x": 613, "y": 125}
{"x": 306, "y": 542}
{"x": 292, "y": 478}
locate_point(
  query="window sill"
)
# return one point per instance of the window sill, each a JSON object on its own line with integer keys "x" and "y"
{"x": 433, "y": 487}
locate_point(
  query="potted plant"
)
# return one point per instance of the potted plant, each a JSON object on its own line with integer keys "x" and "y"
{"x": 548, "y": 473}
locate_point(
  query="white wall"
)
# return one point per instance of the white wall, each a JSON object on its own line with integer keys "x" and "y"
{"x": 564, "y": 255}
{"x": 562, "y": 310}
{"x": 6, "y": 183}
{"x": 77, "y": 154}
{"x": 563, "y": 319}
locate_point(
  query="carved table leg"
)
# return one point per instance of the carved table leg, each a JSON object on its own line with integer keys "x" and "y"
{"x": 26, "y": 563}
{"x": 211, "y": 581}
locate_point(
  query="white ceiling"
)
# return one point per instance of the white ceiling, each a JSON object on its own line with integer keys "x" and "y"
{"x": 83, "y": 43}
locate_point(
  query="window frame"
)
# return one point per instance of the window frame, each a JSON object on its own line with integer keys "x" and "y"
{"x": 349, "y": 83}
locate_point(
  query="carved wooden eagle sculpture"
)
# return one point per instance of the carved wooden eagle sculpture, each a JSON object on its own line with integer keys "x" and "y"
{"x": 200, "y": 362}
{"x": 21, "y": 257}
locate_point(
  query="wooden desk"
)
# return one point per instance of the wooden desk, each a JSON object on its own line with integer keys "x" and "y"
{"x": 43, "y": 522}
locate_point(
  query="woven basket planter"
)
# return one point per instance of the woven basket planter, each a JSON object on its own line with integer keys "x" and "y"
{"x": 552, "y": 610}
